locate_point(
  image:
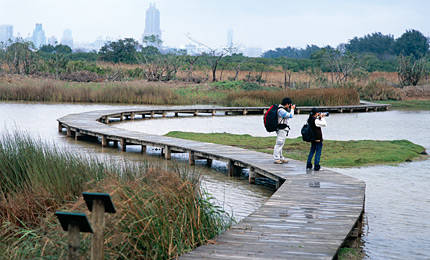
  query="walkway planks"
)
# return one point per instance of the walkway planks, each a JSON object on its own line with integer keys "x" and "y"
{"x": 310, "y": 216}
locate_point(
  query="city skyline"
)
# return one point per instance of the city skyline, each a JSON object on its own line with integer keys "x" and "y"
{"x": 267, "y": 26}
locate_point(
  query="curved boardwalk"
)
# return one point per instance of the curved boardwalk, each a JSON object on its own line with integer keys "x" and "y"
{"x": 310, "y": 216}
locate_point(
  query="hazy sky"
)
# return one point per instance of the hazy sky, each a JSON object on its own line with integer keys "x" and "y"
{"x": 255, "y": 23}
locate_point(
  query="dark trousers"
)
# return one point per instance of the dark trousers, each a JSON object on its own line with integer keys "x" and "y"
{"x": 316, "y": 148}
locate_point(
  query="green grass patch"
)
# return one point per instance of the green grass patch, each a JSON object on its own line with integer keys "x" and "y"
{"x": 335, "y": 153}
{"x": 347, "y": 253}
{"x": 407, "y": 104}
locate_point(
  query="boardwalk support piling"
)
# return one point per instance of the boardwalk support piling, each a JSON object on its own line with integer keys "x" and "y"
{"x": 60, "y": 127}
{"x": 209, "y": 162}
{"x": 123, "y": 145}
{"x": 191, "y": 158}
{"x": 104, "y": 141}
{"x": 252, "y": 174}
{"x": 143, "y": 148}
{"x": 167, "y": 152}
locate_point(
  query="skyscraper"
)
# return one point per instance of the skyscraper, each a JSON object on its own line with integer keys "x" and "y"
{"x": 6, "y": 33}
{"x": 230, "y": 39}
{"x": 38, "y": 38}
{"x": 152, "y": 25}
{"x": 67, "y": 38}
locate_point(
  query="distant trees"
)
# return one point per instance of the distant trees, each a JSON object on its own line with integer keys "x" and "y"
{"x": 412, "y": 43}
{"x": 376, "y": 43}
{"x": 123, "y": 50}
{"x": 291, "y": 52}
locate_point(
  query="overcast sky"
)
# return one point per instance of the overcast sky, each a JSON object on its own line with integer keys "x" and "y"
{"x": 255, "y": 23}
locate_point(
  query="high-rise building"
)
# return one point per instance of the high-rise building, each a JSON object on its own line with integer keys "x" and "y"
{"x": 38, "y": 38}
{"x": 230, "y": 39}
{"x": 152, "y": 26}
{"x": 67, "y": 38}
{"x": 6, "y": 33}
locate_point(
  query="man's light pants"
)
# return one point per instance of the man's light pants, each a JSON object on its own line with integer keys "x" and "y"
{"x": 280, "y": 140}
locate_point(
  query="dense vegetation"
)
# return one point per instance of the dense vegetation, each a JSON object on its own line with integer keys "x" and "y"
{"x": 336, "y": 153}
{"x": 161, "y": 212}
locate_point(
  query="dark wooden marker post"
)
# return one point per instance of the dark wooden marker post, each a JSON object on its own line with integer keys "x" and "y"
{"x": 98, "y": 204}
{"x": 74, "y": 223}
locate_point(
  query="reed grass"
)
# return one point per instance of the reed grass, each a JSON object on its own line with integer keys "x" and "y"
{"x": 305, "y": 97}
{"x": 173, "y": 93}
{"x": 161, "y": 213}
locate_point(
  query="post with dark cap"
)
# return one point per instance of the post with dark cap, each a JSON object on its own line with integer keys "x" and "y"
{"x": 74, "y": 223}
{"x": 98, "y": 204}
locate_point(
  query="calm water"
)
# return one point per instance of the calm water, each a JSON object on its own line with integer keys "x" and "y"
{"x": 397, "y": 197}
{"x": 39, "y": 120}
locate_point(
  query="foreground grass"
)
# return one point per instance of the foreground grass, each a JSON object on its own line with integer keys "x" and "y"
{"x": 335, "y": 153}
{"x": 161, "y": 213}
{"x": 408, "y": 104}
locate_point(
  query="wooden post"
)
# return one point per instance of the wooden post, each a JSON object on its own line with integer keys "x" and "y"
{"x": 123, "y": 144}
{"x": 176, "y": 114}
{"x": 264, "y": 111}
{"x": 60, "y": 127}
{"x": 191, "y": 158}
{"x": 196, "y": 113}
{"x": 209, "y": 162}
{"x": 213, "y": 112}
{"x": 167, "y": 153}
{"x": 245, "y": 112}
{"x": 77, "y": 134}
{"x": 143, "y": 150}
{"x": 230, "y": 168}
{"x": 74, "y": 242}
{"x": 225, "y": 112}
{"x": 115, "y": 144}
{"x": 104, "y": 141}
{"x": 132, "y": 116}
{"x": 69, "y": 132}
{"x": 251, "y": 175}
{"x": 297, "y": 111}
{"x": 152, "y": 113}
{"x": 107, "y": 120}
{"x": 98, "y": 224}
{"x": 164, "y": 114}
{"x": 121, "y": 117}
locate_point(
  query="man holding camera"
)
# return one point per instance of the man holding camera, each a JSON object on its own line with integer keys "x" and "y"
{"x": 285, "y": 112}
{"x": 316, "y": 120}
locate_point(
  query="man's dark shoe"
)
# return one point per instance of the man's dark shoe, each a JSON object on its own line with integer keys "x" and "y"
{"x": 309, "y": 166}
{"x": 317, "y": 168}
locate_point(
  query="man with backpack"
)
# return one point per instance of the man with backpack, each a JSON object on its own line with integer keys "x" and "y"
{"x": 285, "y": 112}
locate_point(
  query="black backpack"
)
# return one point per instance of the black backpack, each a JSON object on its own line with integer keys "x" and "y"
{"x": 271, "y": 118}
{"x": 307, "y": 133}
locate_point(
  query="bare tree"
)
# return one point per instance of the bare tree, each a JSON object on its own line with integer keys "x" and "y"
{"x": 410, "y": 70}
{"x": 190, "y": 61}
{"x": 213, "y": 55}
{"x": 342, "y": 65}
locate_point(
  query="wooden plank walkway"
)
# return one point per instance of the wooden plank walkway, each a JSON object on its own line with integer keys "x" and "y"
{"x": 310, "y": 216}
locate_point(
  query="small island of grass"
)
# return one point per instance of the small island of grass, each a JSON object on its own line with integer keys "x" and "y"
{"x": 335, "y": 153}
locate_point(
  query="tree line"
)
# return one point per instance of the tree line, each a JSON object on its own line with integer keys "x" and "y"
{"x": 408, "y": 55}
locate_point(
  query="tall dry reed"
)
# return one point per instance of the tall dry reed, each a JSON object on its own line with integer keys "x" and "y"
{"x": 160, "y": 213}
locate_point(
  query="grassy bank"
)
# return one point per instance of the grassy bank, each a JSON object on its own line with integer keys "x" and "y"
{"x": 408, "y": 104}
{"x": 335, "y": 153}
{"x": 161, "y": 213}
{"x": 230, "y": 93}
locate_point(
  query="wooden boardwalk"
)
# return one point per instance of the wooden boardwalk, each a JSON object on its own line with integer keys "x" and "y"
{"x": 310, "y": 216}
